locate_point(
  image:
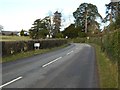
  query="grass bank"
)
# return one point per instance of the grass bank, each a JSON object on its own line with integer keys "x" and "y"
{"x": 108, "y": 71}
{"x": 29, "y": 54}
{"x": 14, "y": 38}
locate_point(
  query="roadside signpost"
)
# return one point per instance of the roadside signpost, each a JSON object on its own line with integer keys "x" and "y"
{"x": 37, "y": 45}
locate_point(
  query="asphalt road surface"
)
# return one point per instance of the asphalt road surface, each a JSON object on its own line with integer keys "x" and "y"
{"x": 71, "y": 67}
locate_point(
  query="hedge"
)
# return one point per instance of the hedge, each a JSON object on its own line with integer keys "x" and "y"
{"x": 111, "y": 45}
{"x": 13, "y": 47}
{"x": 78, "y": 40}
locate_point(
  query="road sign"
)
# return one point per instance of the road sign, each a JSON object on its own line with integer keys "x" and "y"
{"x": 36, "y": 45}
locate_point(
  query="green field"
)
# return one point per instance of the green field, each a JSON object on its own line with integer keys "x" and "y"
{"x": 14, "y": 38}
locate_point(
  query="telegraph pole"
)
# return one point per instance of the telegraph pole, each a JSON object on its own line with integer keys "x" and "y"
{"x": 86, "y": 13}
{"x": 117, "y": 7}
{"x": 1, "y": 28}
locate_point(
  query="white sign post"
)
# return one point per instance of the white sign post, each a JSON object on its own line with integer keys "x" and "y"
{"x": 66, "y": 37}
{"x": 50, "y": 36}
{"x": 36, "y": 45}
{"x": 88, "y": 38}
{"x": 47, "y": 36}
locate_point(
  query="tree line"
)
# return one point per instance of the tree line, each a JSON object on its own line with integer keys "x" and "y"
{"x": 85, "y": 24}
{"x": 47, "y": 27}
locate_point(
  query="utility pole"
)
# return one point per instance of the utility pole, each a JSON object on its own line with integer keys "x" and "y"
{"x": 1, "y": 28}
{"x": 50, "y": 27}
{"x": 50, "y": 24}
{"x": 86, "y": 13}
{"x": 117, "y": 6}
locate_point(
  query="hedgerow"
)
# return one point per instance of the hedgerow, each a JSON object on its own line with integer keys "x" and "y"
{"x": 13, "y": 47}
{"x": 111, "y": 45}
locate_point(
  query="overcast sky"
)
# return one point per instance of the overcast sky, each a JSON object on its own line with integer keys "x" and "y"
{"x": 20, "y": 14}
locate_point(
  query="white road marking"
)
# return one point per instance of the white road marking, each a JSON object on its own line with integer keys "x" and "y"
{"x": 69, "y": 53}
{"x": 10, "y": 82}
{"x": 51, "y": 62}
{"x": 76, "y": 48}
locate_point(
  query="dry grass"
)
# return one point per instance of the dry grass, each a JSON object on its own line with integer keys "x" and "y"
{"x": 14, "y": 38}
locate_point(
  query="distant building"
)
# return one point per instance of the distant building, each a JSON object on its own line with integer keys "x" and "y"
{"x": 115, "y": 0}
{"x": 25, "y": 33}
{"x": 8, "y": 33}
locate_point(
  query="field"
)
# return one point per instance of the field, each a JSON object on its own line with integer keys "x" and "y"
{"x": 14, "y": 38}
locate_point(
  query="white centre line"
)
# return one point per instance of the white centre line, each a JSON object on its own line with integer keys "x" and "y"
{"x": 51, "y": 62}
{"x": 10, "y": 82}
{"x": 69, "y": 52}
{"x": 76, "y": 48}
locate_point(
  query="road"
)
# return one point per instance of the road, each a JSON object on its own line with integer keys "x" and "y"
{"x": 71, "y": 67}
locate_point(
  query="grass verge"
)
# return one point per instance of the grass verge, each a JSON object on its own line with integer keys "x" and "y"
{"x": 108, "y": 71}
{"x": 14, "y": 38}
{"x": 29, "y": 54}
